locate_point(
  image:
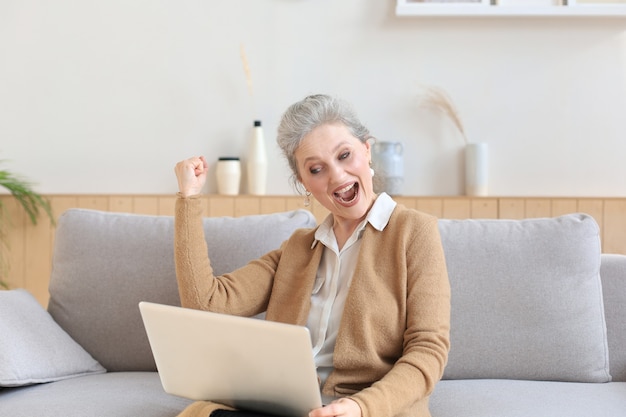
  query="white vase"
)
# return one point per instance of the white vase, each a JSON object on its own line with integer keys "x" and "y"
{"x": 257, "y": 161}
{"x": 388, "y": 165}
{"x": 476, "y": 169}
{"x": 228, "y": 173}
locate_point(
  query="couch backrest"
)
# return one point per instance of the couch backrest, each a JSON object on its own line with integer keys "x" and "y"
{"x": 613, "y": 272}
{"x": 105, "y": 263}
{"x": 526, "y": 296}
{"x": 526, "y": 299}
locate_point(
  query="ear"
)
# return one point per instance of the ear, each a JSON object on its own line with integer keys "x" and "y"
{"x": 368, "y": 149}
{"x": 301, "y": 187}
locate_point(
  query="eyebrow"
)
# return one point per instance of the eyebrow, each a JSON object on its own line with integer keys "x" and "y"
{"x": 339, "y": 145}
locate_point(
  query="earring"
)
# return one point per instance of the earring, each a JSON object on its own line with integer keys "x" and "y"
{"x": 372, "y": 171}
{"x": 307, "y": 199}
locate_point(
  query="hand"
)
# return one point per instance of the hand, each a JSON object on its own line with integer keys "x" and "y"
{"x": 343, "y": 407}
{"x": 191, "y": 174}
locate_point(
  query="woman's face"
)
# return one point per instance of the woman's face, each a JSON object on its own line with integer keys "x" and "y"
{"x": 334, "y": 166}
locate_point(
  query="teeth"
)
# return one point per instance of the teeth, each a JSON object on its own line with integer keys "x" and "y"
{"x": 339, "y": 195}
{"x": 347, "y": 188}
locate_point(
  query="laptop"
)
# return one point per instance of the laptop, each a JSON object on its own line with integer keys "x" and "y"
{"x": 246, "y": 363}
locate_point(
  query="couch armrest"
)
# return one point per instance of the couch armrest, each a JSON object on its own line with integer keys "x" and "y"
{"x": 613, "y": 274}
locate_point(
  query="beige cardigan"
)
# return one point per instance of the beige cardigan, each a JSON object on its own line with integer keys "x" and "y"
{"x": 393, "y": 340}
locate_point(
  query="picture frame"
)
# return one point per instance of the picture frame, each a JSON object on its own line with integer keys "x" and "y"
{"x": 521, "y": 8}
{"x": 530, "y": 3}
{"x": 597, "y": 2}
{"x": 444, "y": 3}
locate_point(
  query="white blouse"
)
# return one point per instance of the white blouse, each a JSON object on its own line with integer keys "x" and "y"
{"x": 333, "y": 279}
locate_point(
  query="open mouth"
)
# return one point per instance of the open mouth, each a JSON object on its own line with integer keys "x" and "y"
{"x": 347, "y": 194}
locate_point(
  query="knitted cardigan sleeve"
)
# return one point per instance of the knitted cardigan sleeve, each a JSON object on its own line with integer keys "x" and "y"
{"x": 244, "y": 293}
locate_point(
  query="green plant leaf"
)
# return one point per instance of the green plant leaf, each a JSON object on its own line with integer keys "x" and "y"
{"x": 30, "y": 201}
{"x": 24, "y": 194}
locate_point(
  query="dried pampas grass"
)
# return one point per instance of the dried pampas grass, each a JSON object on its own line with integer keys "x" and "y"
{"x": 438, "y": 99}
{"x": 246, "y": 68}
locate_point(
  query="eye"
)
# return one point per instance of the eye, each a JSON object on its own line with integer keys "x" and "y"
{"x": 344, "y": 155}
{"x": 315, "y": 170}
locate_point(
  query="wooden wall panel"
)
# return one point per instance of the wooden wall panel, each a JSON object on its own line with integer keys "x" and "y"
{"x": 247, "y": 205}
{"x": 456, "y": 208}
{"x": 511, "y": 208}
{"x": 96, "y": 202}
{"x": 433, "y": 206}
{"x": 30, "y": 247}
{"x": 614, "y": 230}
{"x": 564, "y": 206}
{"x": 537, "y": 207}
{"x": 14, "y": 248}
{"x": 484, "y": 208}
{"x": 295, "y": 203}
{"x": 146, "y": 205}
{"x": 593, "y": 207}
{"x": 122, "y": 204}
{"x": 38, "y": 259}
{"x": 165, "y": 205}
{"x": 273, "y": 205}
{"x": 410, "y": 202}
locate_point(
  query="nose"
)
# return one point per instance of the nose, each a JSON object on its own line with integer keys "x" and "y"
{"x": 335, "y": 172}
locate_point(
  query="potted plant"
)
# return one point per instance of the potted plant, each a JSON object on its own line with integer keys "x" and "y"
{"x": 30, "y": 201}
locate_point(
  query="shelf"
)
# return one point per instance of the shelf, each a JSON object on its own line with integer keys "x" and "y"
{"x": 411, "y": 8}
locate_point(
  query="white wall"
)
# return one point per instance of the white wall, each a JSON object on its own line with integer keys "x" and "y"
{"x": 106, "y": 96}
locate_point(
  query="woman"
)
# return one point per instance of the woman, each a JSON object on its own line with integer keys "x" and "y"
{"x": 370, "y": 282}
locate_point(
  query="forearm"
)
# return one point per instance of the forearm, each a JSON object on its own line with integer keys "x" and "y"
{"x": 193, "y": 268}
{"x": 243, "y": 292}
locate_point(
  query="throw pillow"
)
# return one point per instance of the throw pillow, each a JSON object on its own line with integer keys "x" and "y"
{"x": 105, "y": 263}
{"x": 33, "y": 347}
{"x": 526, "y": 299}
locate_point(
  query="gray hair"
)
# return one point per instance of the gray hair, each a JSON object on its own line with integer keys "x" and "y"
{"x": 313, "y": 111}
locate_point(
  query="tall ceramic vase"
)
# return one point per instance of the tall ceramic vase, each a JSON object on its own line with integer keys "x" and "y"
{"x": 257, "y": 161}
{"x": 476, "y": 169}
{"x": 388, "y": 165}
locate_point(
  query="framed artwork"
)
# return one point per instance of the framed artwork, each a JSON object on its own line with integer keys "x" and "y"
{"x": 530, "y": 2}
{"x": 454, "y": 2}
{"x": 605, "y": 8}
{"x": 596, "y": 2}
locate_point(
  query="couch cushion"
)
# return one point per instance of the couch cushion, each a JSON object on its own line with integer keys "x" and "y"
{"x": 506, "y": 398}
{"x": 526, "y": 299}
{"x": 115, "y": 394}
{"x": 33, "y": 348}
{"x": 105, "y": 263}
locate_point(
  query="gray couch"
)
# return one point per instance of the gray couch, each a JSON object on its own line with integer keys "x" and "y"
{"x": 533, "y": 327}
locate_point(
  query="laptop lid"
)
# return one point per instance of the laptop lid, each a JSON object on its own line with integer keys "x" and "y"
{"x": 243, "y": 362}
